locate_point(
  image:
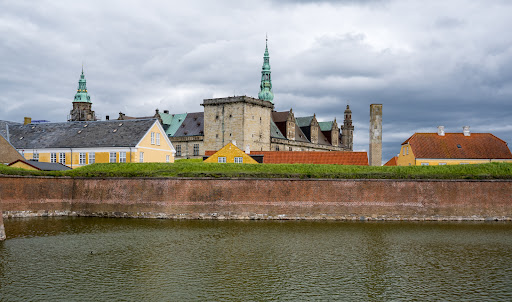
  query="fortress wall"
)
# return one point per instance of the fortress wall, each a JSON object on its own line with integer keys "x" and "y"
{"x": 257, "y": 198}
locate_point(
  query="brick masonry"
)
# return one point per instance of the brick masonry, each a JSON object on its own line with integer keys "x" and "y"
{"x": 257, "y": 198}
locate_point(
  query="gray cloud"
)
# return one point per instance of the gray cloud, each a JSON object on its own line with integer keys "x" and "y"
{"x": 429, "y": 64}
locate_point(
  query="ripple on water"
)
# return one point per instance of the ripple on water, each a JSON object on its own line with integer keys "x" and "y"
{"x": 130, "y": 259}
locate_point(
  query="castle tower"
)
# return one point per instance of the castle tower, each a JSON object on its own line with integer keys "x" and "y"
{"x": 347, "y": 130}
{"x": 266, "y": 93}
{"x": 82, "y": 103}
{"x": 375, "y": 156}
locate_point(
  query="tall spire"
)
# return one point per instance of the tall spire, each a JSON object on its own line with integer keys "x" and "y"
{"x": 81, "y": 95}
{"x": 266, "y": 93}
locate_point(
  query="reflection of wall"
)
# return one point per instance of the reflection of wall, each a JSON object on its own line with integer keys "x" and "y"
{"x": 2, "y": 229}
{"x": 260, "y": 198}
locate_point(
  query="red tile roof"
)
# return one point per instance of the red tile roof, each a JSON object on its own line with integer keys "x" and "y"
{"x": 392, "y": 161}
{"x": 456, "y": 145}
{"x": 311, "y": 157}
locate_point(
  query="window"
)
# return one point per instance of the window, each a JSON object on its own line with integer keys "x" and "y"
{"x": 81, "y": 158}
{"x": 141, "y": 157}
{"x": 53, "y": 157}
{"x": 290, "y": 148}
{"x": 277, "y": 148}
{"x": 152, "y": 138}
{"x": 92, "y": 157}
{"x": 424, "y": 164}
{"x": 112, "y": 158}
{"x": 178, "y": 150}
{"x": 35, "y": 156}
{"x": 122, "y": 157}
{"x": 221, "y": 159}
{"x": 196, "y": 149}
{"x": 403, "y": 151}
{"x": 167, "y": 158}
{"x": 442, "y": 164}
{"x": 239, "y": 160}
{"x": 464, "y": 164}
{"x": 407, "y": 150}
{"x": 158, "y": 139}
{"x": 62, "y": 158}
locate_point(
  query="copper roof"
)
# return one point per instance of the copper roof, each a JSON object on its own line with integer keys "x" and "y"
{"x": 456, "y": 145}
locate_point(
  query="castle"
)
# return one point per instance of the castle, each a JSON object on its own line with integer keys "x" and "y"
{"x": 252, "y": 124}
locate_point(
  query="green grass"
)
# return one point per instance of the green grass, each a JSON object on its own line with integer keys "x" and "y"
{"x": 196, "y": 168}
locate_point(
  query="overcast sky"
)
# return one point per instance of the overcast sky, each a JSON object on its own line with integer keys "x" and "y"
{"x": 429, "y": 63}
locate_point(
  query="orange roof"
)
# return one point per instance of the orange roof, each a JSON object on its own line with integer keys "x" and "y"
{"x": 456, "y": 145}
{"x": 311, "y": 157}
{"x": 392, "y": 161}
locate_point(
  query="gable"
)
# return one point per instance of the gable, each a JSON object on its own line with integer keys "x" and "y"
{"x": 230, "y": 151}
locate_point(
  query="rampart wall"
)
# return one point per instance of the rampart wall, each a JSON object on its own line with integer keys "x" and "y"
{"x": 257, "y": 198}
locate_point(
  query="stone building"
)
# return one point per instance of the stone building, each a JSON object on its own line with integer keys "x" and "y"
{"x": 253, "y": 124}
{"x": 82, "y": 103}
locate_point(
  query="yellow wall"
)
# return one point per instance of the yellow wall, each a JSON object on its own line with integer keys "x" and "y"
{"x": 100, "y": 157}
{"x": 23, "y": 166}
{"x": 230, "y": 151}
{"x": 408, "y": 159}
{"x": 154, "y": 153}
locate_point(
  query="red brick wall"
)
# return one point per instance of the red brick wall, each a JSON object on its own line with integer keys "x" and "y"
{"x": 257, "y": 198}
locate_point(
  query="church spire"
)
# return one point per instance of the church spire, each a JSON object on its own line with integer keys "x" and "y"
{"x": 81, "y": 93}
{"x": 266, "y": 93}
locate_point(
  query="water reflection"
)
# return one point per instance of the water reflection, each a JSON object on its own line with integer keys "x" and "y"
{"x": 137, "y": 259}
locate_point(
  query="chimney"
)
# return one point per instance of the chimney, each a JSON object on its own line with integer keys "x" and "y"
{"x": 166, "y": 111}
{"x": 375, "y": 154}
{"x": 156, "y": 111}
{"x": 27, "y": 121}
{"x": 107, "y": 117}
{"x": 440, "y": 130}
{"x": 465, "y": 129}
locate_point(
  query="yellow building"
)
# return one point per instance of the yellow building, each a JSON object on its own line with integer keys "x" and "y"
{"x": 442, "y": 148}
{"x": 230, "y": 154}
{"x": 76, "y": 144}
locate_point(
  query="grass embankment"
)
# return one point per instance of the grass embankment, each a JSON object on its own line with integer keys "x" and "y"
{"x": 196, "y": 168}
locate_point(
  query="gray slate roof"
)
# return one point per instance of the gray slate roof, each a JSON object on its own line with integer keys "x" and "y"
{"x": 4, "y": 125}
{"x": 47, "y": 166}
{"x": 193, "y": 125}
{"x": 113, "y": 133}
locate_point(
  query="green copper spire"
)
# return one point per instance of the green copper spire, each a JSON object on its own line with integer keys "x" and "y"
{"x": 81, "y": 95}
{"x": 266, "y": 81}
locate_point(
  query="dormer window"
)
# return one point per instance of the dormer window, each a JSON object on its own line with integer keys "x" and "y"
{"x": 459, "y": 146}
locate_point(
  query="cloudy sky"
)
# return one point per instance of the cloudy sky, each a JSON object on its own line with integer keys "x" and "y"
{"x": 429, "y": 63}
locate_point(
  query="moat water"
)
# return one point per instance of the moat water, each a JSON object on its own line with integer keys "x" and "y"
{"x": 94, "y": 259}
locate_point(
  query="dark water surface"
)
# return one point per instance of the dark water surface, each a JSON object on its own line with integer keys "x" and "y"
{"x": 94, "y": 259}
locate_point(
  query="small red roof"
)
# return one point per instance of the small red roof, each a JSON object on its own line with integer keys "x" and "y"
{"x": 392, "y": 161}
{"x": 456, "y": 145}
{"x": 311, "y": 157}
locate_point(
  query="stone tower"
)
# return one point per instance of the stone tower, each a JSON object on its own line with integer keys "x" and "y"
{"x": 266, "y": 93}
{"x": 242, "y": 119}
{"x": 347, "y": 130}
{"x": 375, "y": 156}
{"x": 82, "y": 103}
